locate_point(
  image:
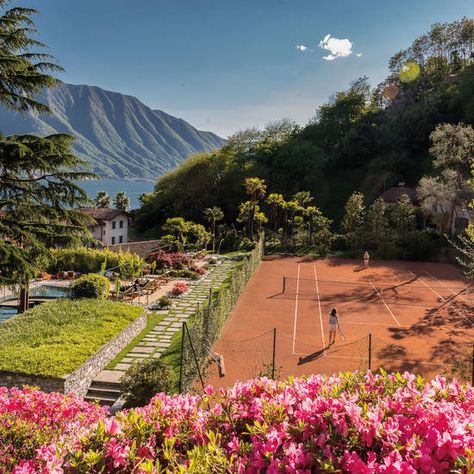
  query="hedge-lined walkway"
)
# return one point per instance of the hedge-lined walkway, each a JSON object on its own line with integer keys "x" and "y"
{"x": 158, "y": 339}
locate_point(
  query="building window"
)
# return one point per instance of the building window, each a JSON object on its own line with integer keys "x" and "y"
{"x": 121, "y": 239}
{"x": 113, "y": 224}
{"x": 113, "y": 240}
{"x": 121, "y": 224}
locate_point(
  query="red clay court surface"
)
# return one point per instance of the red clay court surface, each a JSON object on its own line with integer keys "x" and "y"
{"x": 420, "y": 315}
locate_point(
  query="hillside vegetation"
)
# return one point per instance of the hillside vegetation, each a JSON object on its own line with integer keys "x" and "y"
{"x": 363, "y": 139}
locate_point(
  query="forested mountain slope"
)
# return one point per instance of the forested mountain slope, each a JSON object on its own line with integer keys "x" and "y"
{"x": 117, "y": 134}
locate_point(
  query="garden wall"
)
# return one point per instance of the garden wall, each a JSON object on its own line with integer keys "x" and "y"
{"x": 79, "y": 381}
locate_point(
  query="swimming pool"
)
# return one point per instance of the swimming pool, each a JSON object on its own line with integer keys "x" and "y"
{"x": 50, "y": 291}
{"x": 41, "y": 291}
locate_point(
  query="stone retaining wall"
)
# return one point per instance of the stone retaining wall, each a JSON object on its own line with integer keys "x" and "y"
{"x": 79, "y": 381}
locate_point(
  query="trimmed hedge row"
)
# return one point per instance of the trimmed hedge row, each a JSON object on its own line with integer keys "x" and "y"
{"x": 85, "y": 260}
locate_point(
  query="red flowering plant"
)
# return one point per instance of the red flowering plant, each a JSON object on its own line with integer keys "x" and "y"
{"x": 179, "y": 288}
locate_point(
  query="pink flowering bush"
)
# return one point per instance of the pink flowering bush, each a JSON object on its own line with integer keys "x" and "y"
{"x": 32, "y": 420}
{"x": 352, "y": 422}
{"x": 179, "y": 288}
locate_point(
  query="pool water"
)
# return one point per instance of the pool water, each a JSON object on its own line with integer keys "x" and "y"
{"x": 50, "y": 291}
{"x": 43, "y": 291}
{"x": 7, "y": 313}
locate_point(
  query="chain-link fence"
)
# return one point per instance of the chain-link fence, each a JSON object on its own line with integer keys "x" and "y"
{"x": 205, "y": 325}
{"x": 279, "y": 355}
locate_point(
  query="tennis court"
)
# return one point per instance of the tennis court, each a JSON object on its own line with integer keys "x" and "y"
{"x": 420, "y": 317}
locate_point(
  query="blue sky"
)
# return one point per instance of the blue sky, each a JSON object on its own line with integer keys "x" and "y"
{"x": 226, "y": 65}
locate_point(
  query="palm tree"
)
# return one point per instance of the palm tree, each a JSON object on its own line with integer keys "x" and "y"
{"x": 121, "y": 201}
{"x": 256, "y": 189}
{"x": 213, "y": 215}
{"x": 275, "y": 201}
{"x": 102, "y": 199}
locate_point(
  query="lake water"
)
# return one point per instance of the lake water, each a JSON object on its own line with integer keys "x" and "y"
{"x": 132, "y": 189}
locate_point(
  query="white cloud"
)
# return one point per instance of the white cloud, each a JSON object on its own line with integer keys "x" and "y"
{"x": 302, "y": 48}
{"x": 338, "y": 47}
{"x": 359, "y": 55}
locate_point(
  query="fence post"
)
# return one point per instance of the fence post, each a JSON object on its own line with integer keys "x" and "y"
{"x": 370, "y": 350}
{"x": 182, "y": 358}
{"x": 274, "y": 352}
{"x": 472, "y": 366}
{"x": 194, "y": 355}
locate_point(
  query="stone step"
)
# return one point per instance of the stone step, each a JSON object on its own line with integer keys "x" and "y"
{"x": 108, "y": 401}
{"x": 103, "y": 392}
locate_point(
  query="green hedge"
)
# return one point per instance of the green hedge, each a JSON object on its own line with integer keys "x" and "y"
{"x": 85, "y": 260}
{"x": 206, "y": 324}
{"x": 57, "y": 337}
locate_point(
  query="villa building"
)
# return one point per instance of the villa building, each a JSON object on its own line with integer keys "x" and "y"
{"x": 110, "y": 226}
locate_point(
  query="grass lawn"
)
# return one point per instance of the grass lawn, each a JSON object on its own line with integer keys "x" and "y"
{"x": 153, "y": 320}
{"x": 57, "y": 337}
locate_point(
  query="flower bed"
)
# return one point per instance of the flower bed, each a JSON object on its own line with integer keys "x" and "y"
{"x": 179, "y": 288}
{"x": 354, "y": 423}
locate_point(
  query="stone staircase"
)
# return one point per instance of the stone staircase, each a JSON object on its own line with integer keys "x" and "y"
{"x": 103, "y": 392}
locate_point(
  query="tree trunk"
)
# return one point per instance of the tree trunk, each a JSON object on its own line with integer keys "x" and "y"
{"x": 24, "y": 302}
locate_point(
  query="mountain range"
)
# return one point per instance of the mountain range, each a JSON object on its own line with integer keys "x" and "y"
{"x": 119, "y": 136}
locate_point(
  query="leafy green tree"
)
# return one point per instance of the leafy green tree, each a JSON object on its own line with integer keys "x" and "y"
{"x": 198, "y": 237}
{"x": 377, "y": 228}
{"x": 122, "y": 201}
{"x": 213, "y": 215}
{"x": 178, "y": 229}
{"x": 403, "y": 216}
{"x": 440, "y": 195}
{"x": 354, "y": 219}
{"x": 102, "y": 200}
{"x": 319, "y": 228}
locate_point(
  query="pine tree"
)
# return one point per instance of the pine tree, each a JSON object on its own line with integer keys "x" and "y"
{"x": 38, "y": 190}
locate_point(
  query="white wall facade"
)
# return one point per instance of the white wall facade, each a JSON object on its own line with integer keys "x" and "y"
{"x": 116, "y": 230}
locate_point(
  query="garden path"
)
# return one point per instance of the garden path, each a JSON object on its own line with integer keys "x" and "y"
{"x": 158, "y": 339}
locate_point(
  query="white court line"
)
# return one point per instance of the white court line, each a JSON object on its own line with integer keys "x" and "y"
{"x": 450, "y": 289}
{"x": 296, "y": 307}
{"x": 383, "y": 301}
{"x": 319, "y": 305}
{"x": 445, "y": 300}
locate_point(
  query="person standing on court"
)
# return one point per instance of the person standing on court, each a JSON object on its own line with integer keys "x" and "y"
{"x": 333, "y": 326}
{"x": 366, "y": 259}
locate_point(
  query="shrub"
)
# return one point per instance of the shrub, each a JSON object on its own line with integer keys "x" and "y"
{"x": 165, "y": 302}
{"x": 348, "y": 423}
{"x": 91, "y": 286}
{"x": 179, "y": 288}
{"x": 143, "y": 380}
{"x": 167, "y": 260}
{"x": 191, "y": 274}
